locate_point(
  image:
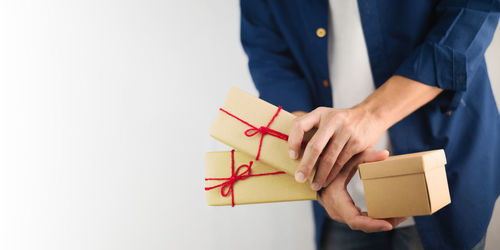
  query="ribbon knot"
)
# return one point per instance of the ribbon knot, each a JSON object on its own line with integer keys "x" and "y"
{"x": 263, "y": 130}
{"x": 228, "y": 185}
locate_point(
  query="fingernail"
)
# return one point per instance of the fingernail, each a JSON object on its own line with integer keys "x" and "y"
{"x": 292, "y": 153}
{"x": 386, "y": 228}
{"x": 299, "y": 176}
{"x": 315, "y": 186}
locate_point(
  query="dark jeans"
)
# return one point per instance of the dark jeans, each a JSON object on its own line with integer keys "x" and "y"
{"x": 338, "y": 236}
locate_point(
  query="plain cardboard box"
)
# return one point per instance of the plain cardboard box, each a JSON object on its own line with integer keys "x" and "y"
{"x": 406, "y": 185}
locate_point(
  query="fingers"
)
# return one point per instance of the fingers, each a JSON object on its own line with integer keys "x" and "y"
{"x": 350, "y": 149}
{"x": 348, "y": 171}
{"x": 368, "y": 225}
{"x": 311, "y": 154}
{"x": 339, "y": 204}
{"x": 372, "y": 155}
{"x": 396, "y": 221}
{"x": 328, "y": 159}
{"x": 301, "y": 125}
{"x": 362, "y": 221}
{"x": 393, "y": 221}
{"x": 353, "y": 217}
{"x": 313, "y": 151}
{"x": 368, "y": 155}
{"x": 349, "y": 140}
{"x": 342, "y": 208}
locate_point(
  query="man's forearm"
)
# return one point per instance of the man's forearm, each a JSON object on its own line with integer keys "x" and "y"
{"x": 396, "y": 99}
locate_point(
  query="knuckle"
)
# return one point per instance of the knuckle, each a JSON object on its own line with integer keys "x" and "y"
{"x": 335, "y": 145}
{"x": 331, "y": 114}
{"x": 362, "y": 147}
{"x": 322, "y": 109}
{"x": 336, "y": 166}
{"x": 349, "y": 129}
{"x": 340, "y": 116}
{"x": 329, "y": 121}
{"x": 356, "y": 149}
{"x": 355, "y": 141}
{"x": 342, "y": 160}
{"x": 328, "y": 160}
{"x": 297, "y": 123}
{"x": 315, "y": 148}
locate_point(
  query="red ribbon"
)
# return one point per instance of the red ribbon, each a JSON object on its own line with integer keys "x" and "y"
{"x": 227, "y": 186}
{"x": 253, "y": 130}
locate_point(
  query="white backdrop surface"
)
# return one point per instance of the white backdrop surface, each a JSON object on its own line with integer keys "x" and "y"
{"x": 105, "y": 108}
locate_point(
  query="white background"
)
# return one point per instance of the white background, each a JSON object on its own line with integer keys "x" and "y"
{"x": 105, "y": 107}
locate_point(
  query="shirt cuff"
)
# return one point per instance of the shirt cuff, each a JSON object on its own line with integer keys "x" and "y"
{"x": 438, "y": 66}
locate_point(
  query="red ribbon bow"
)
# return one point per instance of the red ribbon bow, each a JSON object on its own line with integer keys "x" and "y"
{"x": 253, "y": 130}
{"x": 227, "y": 186}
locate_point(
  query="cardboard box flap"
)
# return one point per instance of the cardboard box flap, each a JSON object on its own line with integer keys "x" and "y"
{"x": 403, "y": 164}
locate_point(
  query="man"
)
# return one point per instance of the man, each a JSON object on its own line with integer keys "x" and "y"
{"x": 426, "y": 60}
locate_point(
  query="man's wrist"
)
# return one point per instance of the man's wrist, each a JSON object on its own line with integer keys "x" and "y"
{"x": 396, "y": 98}
{"x": 374, "y": 112}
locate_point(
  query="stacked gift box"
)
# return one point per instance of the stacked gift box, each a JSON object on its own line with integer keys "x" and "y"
{"x": 259, "y": 132}
{"x": 260, "y": 169}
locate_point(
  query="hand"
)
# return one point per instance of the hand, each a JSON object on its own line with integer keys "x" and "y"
{"x": 339, "y": 205}
{"x": 341, "y": 134}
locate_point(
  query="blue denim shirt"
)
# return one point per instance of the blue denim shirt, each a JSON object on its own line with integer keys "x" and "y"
{"x": 441, "y": 44}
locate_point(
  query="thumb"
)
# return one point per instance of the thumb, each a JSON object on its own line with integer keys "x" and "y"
{"x": 371, "y": 155}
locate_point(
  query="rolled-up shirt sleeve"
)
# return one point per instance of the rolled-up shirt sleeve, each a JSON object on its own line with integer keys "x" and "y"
{"x": 454, "y": 47}
{"x": 274, "y": 70}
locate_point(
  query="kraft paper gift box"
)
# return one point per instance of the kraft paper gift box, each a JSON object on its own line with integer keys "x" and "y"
{"x": 259, "y": 185}
{"x": 406, "y": 185}
{"x": 245, "y": 121}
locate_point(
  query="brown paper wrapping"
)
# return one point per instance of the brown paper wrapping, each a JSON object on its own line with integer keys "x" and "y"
{"x": 274, "y": 151}
{"x": 255, "y": 189}
{"x": 406, "y": 185}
